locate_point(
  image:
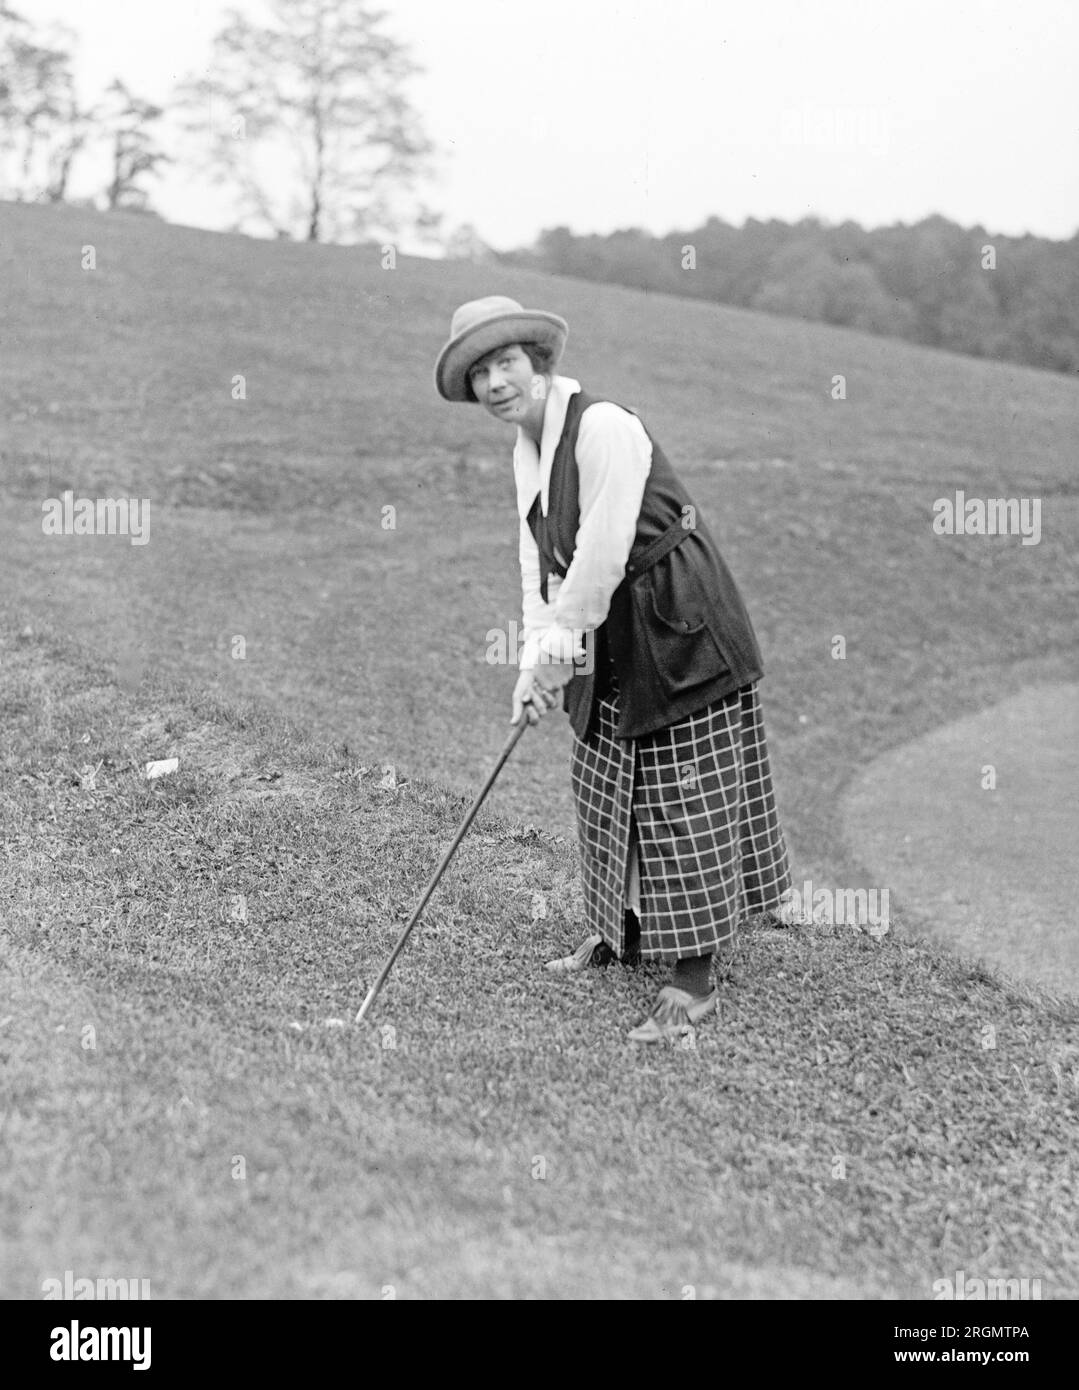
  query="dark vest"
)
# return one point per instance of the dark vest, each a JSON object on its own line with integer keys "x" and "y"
{"x": 677, "y": 636}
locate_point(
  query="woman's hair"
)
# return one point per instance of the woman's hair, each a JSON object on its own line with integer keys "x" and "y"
{"x": 541, "y": 355}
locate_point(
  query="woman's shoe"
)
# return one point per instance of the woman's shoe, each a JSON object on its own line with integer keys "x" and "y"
{"x": 675, "y": 1013}
{"x": 593, "y": 950}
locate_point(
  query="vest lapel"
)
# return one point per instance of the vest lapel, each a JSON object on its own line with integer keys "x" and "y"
{"x": 537, "y": 524}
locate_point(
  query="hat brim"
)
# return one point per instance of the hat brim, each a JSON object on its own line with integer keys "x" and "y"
{"x": 524, "y": 326}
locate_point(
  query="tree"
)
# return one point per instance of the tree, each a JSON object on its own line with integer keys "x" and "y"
{"x": 78, "y": 123}
{"x": 968, "y": 318}
{"x": 464, "y": 243}
{"x": 798, "y": 282}
{"x": 857, "y": 299}
{"x": 41, "y": 124}
{"x": 308, "y": 122}
{"x": 13, "y": 30}
{"x": 126, "y": 121}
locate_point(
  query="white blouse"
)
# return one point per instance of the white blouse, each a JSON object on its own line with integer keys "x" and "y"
{"x": 614, "y": 458}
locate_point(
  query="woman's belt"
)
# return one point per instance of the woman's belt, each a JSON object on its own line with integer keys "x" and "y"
{"x": 674, "y": 535}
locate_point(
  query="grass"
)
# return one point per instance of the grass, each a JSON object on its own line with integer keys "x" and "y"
{"x": 843, "y": 1130}
{"x": 412, "y": 1165}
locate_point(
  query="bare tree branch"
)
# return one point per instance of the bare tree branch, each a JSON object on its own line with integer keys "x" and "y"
{"x": 312, "y": 129}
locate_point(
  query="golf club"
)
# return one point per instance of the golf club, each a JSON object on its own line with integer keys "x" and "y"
{"x": 372, "y": 993}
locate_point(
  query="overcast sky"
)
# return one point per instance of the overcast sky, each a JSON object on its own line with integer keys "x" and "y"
{"x": 659, "y": 113}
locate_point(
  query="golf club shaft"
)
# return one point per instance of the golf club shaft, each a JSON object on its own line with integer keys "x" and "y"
{"x": 384, "y": 972}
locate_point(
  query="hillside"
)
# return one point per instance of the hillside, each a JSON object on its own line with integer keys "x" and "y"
{"x": 268, "y": 512}
{"x": 364, "y": 646}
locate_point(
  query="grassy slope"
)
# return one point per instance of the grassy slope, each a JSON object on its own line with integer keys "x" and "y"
{"x": 266, "y": 522}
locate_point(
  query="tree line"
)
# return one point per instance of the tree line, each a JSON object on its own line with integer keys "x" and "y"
{"x": 934, "y": 282}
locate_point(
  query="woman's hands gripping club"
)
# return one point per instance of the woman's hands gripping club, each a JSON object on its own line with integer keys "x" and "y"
{"x": 537, "y": 690}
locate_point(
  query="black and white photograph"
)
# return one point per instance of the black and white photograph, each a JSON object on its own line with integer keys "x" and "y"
{"x": 539, "y": 662}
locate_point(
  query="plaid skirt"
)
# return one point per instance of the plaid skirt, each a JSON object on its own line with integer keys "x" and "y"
{"x": 695, "y": 803}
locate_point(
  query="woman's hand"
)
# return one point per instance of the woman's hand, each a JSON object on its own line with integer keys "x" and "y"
{"x": 537, "y": 690}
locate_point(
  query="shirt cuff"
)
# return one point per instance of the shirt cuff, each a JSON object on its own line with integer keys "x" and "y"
{"x": 562, "y": 644}
{"x": 553, "y": 644}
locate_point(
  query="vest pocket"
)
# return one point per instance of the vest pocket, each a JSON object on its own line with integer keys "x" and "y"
{"x": 683, "y": 647}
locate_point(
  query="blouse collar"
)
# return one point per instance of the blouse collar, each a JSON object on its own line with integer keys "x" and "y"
{"x": 532, "y": 466}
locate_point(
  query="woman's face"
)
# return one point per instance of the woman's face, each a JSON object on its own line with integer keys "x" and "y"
{"x": 506, "y": 384}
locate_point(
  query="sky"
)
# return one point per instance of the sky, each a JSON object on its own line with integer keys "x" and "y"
{"x": 601, "y": 114}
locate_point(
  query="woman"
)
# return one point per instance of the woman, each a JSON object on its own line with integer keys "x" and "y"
{"x": 631, "y": 612}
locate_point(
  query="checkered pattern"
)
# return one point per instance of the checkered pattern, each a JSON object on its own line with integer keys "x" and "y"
{"x": 698, "y": 795}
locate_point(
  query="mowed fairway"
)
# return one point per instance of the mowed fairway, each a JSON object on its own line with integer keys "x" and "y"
{"x": 491, "y": 1134}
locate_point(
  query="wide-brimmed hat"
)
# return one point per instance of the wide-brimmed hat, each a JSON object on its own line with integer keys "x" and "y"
{"x": 482, "y": 325}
